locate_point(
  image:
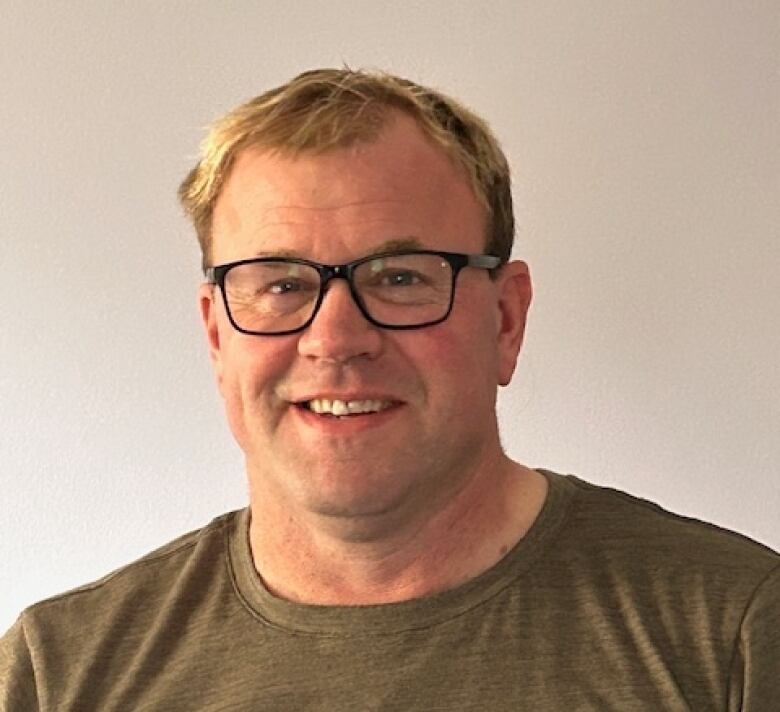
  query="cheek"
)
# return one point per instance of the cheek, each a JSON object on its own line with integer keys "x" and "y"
{"x": 458, "y": 362}
{"x": 252, "y": 369}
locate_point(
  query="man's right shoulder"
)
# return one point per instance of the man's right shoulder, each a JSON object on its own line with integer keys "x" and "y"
{"x": 144, "y": 583}
{"x": 59, "y": 649}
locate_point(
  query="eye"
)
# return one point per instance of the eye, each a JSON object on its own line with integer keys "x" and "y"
{"x": 399, "y": 279}
{"x": 285, "y": 286}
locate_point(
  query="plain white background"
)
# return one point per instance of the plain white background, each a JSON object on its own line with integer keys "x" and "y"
{"x": 644, "y": 140}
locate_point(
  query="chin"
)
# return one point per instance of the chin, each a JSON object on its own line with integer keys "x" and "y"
{"x": 353, "y": 522}
{"x": 341, "y": 494}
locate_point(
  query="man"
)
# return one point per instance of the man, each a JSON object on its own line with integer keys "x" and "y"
{"x": 361, "y": 309}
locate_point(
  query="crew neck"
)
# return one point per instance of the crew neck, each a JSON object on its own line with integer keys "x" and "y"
{"x": 387, "y": 618}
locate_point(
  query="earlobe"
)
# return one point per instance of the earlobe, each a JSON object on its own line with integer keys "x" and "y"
{"x": 514, "y": 299}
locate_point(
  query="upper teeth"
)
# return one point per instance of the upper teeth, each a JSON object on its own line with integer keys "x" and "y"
{"x": 340, "y": 407}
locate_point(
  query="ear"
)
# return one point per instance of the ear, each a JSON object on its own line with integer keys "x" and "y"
{"x": 207, "y": 296}
{"x": 513, "y": 285}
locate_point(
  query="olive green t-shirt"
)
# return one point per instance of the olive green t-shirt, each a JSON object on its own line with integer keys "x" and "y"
{"x": 608, "y": 603}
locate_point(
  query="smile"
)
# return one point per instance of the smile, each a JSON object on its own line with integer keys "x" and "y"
{"x": 340, "y": 408}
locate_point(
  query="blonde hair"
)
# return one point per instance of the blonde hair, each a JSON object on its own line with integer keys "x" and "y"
{"x": 333, "y": 108}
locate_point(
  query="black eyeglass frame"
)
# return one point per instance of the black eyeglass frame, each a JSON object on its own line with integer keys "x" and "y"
{"x": 216, "y": 275}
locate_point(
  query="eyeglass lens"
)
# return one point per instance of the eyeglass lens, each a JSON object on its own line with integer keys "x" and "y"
{"x": 397, "y": 290}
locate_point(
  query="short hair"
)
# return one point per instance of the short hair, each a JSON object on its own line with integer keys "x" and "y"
{"x": 333, "y": 108}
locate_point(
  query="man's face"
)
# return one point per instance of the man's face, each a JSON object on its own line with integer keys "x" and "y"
{"x": 437, "y": 384}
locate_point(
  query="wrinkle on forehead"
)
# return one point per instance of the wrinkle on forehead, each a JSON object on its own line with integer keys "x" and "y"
{"x": 350, "y": 204}
{"x": 368, "y": 226}
{"x": 304, "y": 214}
{"x": 394, "y": 245}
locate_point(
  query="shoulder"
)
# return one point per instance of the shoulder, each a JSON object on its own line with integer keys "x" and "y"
{"x": 615, "y": 512}
{"x": 624, "y": 533}
{"x": 103, "y": 634}
{"x": 666, "y": 591}
{"x": 168, "y": 571}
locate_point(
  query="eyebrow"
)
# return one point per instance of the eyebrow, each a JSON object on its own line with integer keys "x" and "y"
{"x": 394, "y": 245}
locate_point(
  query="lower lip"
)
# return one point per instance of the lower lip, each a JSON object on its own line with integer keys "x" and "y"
{"x": 344, "y": 425}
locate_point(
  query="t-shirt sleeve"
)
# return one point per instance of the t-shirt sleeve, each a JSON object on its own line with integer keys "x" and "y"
{"x": 17, "y": 677}
{"x": 755, "y": 670}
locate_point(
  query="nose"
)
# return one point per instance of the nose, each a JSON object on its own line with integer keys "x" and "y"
{"x": 340, "y": 332}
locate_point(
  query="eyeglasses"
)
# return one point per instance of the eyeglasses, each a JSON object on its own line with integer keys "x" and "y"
{"x": 269, "y": 296}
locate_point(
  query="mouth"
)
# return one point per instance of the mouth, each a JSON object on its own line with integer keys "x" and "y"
{"x": 338, "y": 408}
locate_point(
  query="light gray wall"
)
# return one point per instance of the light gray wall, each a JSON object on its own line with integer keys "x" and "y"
{"x": 644, "y": 139}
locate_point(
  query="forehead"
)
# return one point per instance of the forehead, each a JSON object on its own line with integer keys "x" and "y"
{"x": 399, "y": 186}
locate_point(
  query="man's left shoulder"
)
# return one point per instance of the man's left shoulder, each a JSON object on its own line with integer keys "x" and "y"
{"x": 624, "y": 525}
{"x": 682, "y": 599}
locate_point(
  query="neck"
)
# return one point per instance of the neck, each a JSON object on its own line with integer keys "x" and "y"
{"x": 398, "y": 555}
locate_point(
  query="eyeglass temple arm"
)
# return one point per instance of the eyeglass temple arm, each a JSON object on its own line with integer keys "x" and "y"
{"x": 486, "y": 261}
